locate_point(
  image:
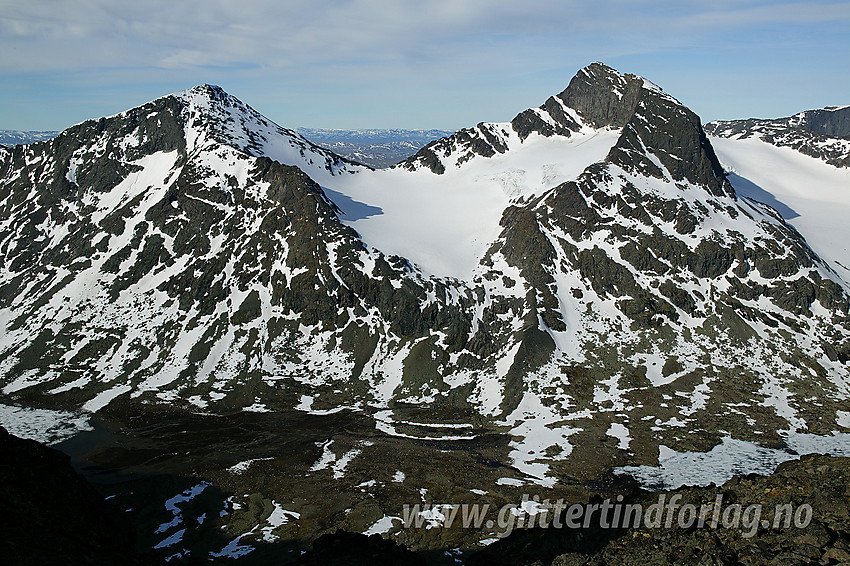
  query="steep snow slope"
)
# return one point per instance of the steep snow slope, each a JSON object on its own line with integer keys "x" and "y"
{"x": 811, "y": 195}
{"x": 213, "y": 117}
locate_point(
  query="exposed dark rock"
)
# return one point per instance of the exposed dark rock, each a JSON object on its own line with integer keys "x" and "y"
{"x": 818, "y": 133}
{"x": 602, "y": 96}
{"x": 351, "y": 549}
{"x": 52, "y": 515}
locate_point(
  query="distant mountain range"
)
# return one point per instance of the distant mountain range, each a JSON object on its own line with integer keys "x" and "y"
{"x": 375, "y": 148}
{"x": 13, "y": 137}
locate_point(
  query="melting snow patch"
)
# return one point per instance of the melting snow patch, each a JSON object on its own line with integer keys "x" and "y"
{"x": 172, "y": 505}
{"x": 257, "y": 407}
{"x": 338, "y": 465}
{"x": 381, "y": 526}
{"x": 731, "y": 458}
{"x": 172, "y": 540}
{"x": 43, "y": 425}
{"x": 385, "y": 424}
{"x": 234, "y": 549}
{"x": 305, "y": 404}
{"x": 539, "y": 427}
{"x": 621, "y": 433}
{"x": 278, "y": 517}
{"x": 243, "y": 466}
{"x": 510, "y": 481}
{"x": 434, "y": 516}
{"x": 104, "y": 398}
{"x": 326, "y": 459}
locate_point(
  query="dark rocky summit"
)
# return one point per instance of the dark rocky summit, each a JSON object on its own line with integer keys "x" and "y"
{"x": 831, "y": 121}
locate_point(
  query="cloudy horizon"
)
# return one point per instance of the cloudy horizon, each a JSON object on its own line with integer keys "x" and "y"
{"x": 430, "y": 64}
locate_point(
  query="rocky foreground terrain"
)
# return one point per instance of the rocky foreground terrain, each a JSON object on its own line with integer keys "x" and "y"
{"x": 820, "y": 481}
{"x": 51, "y": 515}
{"x": 54, "y": 516}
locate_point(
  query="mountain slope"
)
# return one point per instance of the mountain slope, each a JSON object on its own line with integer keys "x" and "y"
{"x": 584, "y": 279}
{"x": 823, "y": 134}
{"x": 162, "y": 250}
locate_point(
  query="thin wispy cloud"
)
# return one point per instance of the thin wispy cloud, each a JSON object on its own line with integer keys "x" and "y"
{"x": 389, "y": 48}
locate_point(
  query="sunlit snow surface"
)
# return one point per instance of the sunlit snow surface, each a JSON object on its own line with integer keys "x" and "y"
{"x": 811, "y": 195}
{"x": 445, "y": 223}
{"x": 44, "y": 425}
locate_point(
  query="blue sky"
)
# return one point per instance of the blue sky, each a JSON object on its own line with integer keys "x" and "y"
{"x": 424, "y": 64}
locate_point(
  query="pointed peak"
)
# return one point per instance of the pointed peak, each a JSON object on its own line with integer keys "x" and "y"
{"x": 598, "y": 68}
{"x": 604, "y": 74}
{"x": 207, "y": 89}
{"x": 213, "y": 92}
{"x": 206, "y": 92}
{"x": 604, "y": 97}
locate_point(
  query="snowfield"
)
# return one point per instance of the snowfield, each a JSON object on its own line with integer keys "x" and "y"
{"x": 445, "y": 223}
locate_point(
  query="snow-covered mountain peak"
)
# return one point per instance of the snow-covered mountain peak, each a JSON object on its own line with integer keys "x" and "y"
{"x": 443, "y": 207}
{"x": 211, "y": 115}
{"x": 598, "y": 99}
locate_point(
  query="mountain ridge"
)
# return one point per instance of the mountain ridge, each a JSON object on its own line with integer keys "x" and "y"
{"x": 822, "y": 133}
{"x": 191, "y": 252}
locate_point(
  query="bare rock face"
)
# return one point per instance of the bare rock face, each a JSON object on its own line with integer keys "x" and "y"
{"x": 833, "y": 121}
{"x": 602, "y": 96}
